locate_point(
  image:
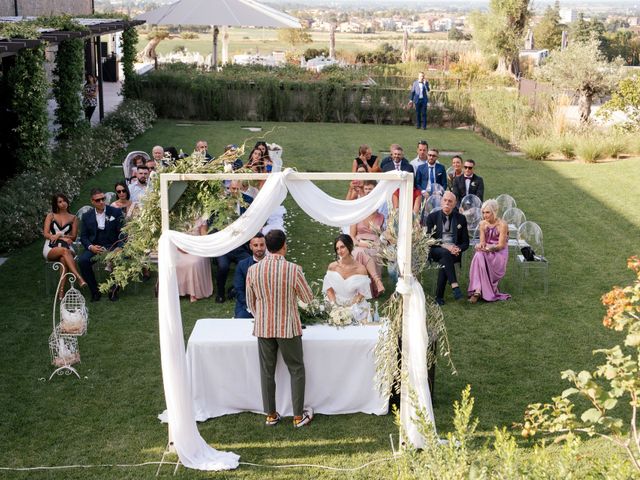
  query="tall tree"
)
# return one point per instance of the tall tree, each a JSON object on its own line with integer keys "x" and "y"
{"x": 584, "y": 69}
{"x": 500, "y": 32}
{"x": 548, "y": 33}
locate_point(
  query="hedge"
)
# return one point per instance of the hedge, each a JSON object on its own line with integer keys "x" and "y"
{"x": 25, "y": 198}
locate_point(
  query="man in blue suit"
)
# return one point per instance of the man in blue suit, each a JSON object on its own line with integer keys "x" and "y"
{"x": 431, "y": 173}
{"x": 258, "y": 247}
{"x": 100, "y": 233}
{"x": 419, "y": 97}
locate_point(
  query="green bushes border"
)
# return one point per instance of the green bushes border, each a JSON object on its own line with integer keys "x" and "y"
{"x": 68, "y": 85}
{"x": 25, "y": 198}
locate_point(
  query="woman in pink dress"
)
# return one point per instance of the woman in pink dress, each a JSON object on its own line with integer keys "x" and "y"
{"x": 367, "y": 243}
{"x": 489, "y": 263}
{"x": 193, "y": 272}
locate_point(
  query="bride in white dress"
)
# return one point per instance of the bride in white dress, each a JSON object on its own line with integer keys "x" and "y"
{"x": 346, "y": 282}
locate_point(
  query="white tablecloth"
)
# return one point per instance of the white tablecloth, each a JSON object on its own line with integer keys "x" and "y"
{"x": 222, "y": 359}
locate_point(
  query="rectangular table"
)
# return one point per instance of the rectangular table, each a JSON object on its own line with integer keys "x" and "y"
{"x": 222, "y": 360}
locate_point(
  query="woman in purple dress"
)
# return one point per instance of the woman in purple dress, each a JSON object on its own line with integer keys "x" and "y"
{"x": 489, "y": 263}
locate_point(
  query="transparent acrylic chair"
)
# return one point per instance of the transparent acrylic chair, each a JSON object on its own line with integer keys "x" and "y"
{"x": 505, "y": 202}
{"x": 514, "y": 217}
{"x": 530, "y": 235}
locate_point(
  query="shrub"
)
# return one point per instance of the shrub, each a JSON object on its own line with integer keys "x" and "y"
{"x": 536, "y": 148}
{"x": 589, "y": 149}
{"x": 614, "y": 145}
{"x": 310, "y": 53}
{"x": 188, "y": 35}
{"x": 566, "y": 146}
{"x": 24, "y": 199}
{"x": 131, "y": 119}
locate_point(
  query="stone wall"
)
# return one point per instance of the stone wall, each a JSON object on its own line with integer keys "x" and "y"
{"x": 45, "y": 7}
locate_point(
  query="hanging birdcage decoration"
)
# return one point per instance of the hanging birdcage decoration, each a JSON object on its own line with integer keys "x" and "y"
{"x": 64, "y": 351}
{"x": 74, "y": 315}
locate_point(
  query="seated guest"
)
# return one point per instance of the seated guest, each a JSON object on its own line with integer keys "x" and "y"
{"x": 365, "y": 160}
{"x": 193, "y": 272}
{"x": 123, "y": 201}
{"x": 396, "y": 161}
{"x": 258, "y": 248}
{"x": 237, "y": 254}
{"x": 346, "y": 282}
{"x": 157, "y": 153}
{"x": 355, "y": 187}
{"x": 100, "y": 233}
{"x": 171, "y": 155}
{"x": 455, "y": 170}
{"x": 136, "y": 162}
{"x": 138, "y": 189}
{"x": 450, "y": 227}
{"x": 367, "y": 243}
{"x": 202, "y": 146}
{"x": 431, "y": 174}
{"x": 60, "y": 231}
{"x": 264, "y": 148}
{"x": 421, "y": 159}
{"x": 257, "y": 161}
{"x": 489, "y": 263}
{"x": 468, "y": 183}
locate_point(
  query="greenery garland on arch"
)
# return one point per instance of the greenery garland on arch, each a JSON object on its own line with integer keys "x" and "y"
{"x": 201, "y": 199}
{"x": 129, "y": 42}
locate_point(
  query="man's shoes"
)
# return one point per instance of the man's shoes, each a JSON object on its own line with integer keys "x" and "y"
{"x": 305, "y": 419}
{"x": 220, "y": 299}
{"x": 424, "y": 128}
{"x": 95, "y": 297}
{"x": 457, "y": 293}
{"x": 113, "y": 293}
{"x": 272, "y": 419}
{"x": 440, "y": 301}
{"x": 231, "y": 293}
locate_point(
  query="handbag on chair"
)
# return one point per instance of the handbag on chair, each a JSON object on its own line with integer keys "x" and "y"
{"x": 528, "y": 254}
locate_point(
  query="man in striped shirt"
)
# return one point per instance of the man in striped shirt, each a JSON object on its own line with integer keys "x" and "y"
{"x": 274, "y": 286}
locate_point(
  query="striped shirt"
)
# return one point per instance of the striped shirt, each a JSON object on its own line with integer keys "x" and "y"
{"x": 274, "y": 286}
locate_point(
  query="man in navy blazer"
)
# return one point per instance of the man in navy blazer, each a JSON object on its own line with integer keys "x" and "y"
{"x": 419, "y": 97}
{"x": 258, "y": 247}
{"x": 431, "y": 173}
{"x": 100, "y": 232}
{"x": 396, "y": 161}
{"x": 450, "y": 227}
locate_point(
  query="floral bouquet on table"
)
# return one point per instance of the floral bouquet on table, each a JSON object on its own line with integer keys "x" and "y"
{"x": 354, "y": 314}
{"x": 315, "y": 311}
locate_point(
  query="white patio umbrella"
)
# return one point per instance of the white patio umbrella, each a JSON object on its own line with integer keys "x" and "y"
{"x": 232, "y": 13}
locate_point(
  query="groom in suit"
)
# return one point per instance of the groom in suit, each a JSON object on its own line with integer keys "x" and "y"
{"x": 431, "y": 173}
{"x": 100, "y": 233}
{"x": 450, "y": 227}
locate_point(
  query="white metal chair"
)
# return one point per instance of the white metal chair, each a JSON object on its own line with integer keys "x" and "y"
{"x": 505, "y": 202}
{"x": 530, "y": 235}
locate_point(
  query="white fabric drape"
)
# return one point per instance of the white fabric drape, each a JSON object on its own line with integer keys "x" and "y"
{"x": 193, "y": 451}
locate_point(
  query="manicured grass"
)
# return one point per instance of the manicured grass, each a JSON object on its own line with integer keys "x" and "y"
{"x": 511, "y": 352}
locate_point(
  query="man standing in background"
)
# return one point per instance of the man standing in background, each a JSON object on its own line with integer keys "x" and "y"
{"x": 419, "y": 97}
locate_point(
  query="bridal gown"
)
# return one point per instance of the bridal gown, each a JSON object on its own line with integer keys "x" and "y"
{"x": 347, "y": 288}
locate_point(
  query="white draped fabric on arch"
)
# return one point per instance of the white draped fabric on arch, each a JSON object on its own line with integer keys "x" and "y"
{"x": 192, "y": 450}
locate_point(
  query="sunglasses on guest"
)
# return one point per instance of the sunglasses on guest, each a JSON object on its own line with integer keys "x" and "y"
{"x": 468, "y": 167}
{"x": 121, "y": 190}
{"x": 99, "y": 200}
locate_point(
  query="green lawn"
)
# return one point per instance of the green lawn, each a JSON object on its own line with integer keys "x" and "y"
{"x": 511, "y": 352}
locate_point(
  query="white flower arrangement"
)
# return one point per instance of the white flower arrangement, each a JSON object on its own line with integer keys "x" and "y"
{"x": 340, "y": 316}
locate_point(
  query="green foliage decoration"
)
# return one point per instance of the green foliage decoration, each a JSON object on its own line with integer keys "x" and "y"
{"x": 129, "y": 42}
{"x": 67, "y": 86}
{"x": 201, "y": 199}
{"x": 131, "y": 119}
{"x": 19, "y": 30}
{"x": 28, "y": 86}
